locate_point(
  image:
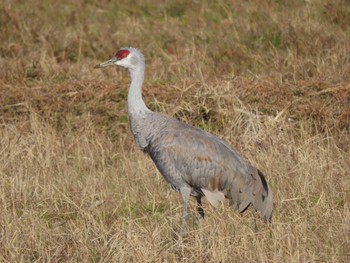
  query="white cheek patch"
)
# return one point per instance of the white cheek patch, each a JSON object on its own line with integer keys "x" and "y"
{"x": 133, "y": 60}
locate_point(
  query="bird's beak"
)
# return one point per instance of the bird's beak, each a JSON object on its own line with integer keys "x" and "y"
{"x": 107, "y": 63}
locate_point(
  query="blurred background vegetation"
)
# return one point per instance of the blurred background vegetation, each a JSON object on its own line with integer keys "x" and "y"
{"x": 296, "y": 38}
{"x": 297, "y": 49}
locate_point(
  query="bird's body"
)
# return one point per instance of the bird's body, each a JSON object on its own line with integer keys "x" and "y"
{"x": 194, "y": 162}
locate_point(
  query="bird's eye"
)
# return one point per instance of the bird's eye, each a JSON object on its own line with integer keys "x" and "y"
{"x": 123, "y": 53}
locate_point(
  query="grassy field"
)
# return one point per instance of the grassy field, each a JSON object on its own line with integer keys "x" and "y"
{"x": 272, "y": 78}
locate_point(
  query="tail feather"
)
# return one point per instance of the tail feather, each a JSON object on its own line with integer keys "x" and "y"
{"x": 254, "y": 191}
{"x": 262, "y": 197}
{"x": 214, "y": 197}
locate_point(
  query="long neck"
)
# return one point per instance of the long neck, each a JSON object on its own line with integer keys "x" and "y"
{"x": 136, "y": 105}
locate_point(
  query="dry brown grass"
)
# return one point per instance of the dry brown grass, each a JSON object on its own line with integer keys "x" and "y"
{"x": 269, "y": 77}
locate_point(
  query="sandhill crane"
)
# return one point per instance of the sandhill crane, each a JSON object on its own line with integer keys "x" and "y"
{"x": 194, "y": 162}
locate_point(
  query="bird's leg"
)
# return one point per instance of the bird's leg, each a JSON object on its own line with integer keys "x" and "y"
{"x": 199, "y": 206}
{"x": 185, "y": 192}
{"x": 200, "y": 218}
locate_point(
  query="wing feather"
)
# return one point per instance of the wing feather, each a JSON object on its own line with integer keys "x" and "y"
{"x": 201, "y": 159}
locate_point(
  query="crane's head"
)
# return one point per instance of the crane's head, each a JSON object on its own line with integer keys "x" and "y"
{"x": 128, "y": 57}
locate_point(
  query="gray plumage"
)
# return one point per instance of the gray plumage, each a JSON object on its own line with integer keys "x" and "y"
{"x": 194, "y": 162}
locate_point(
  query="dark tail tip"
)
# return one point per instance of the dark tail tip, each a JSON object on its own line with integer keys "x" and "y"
{"x": 265, "y": 204}
{"x": 263, "y": 181}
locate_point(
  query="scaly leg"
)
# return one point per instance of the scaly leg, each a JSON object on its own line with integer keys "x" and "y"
{"x": 185, "y": 192}
{"x": 200, "y": 220}
{"x": 199, "y": 206}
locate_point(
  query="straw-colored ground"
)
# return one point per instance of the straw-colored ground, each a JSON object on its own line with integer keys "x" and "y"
{"x": 272, "y": 78}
